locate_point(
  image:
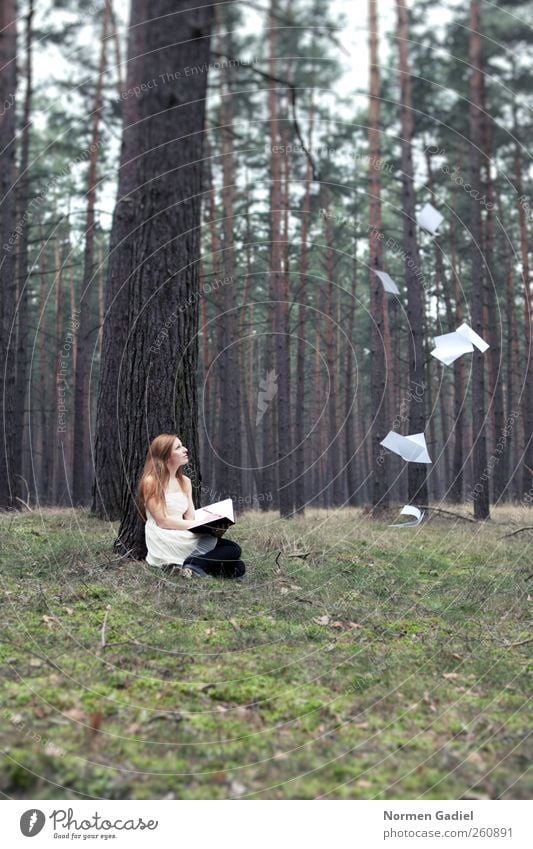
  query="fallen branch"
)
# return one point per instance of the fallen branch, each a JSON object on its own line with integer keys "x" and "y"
{"x": 512, "y": 534}
{"x": 519, "y": 643}
{"x": 301, "y": 556}
{"x": 102, "y": 631}
{"x": 25, "y": 503}
{"x": 447, "y": 513}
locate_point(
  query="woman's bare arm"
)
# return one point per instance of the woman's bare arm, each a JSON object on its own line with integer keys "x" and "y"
{"x": 164, "y": 521}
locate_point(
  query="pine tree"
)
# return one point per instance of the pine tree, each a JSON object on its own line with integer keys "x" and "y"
{"x": 9, "y": 426}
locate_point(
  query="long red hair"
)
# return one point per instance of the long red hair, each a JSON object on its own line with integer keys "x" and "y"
{"x": 156, "y": 468}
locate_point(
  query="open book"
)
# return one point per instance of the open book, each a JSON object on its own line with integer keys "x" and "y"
{"x": 217, "y": 515}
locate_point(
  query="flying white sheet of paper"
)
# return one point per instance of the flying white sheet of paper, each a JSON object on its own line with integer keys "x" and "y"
{"x": 388, "y": 283}
{"x": 473, "y": 337}
{"x": 409, "y": 511}
{"x": 412, "y": 448}
{"x": 430, "y": 219}
{"x": 450, "y": 346}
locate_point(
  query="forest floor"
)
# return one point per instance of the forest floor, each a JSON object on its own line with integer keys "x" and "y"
{"x": 387, "y": 664}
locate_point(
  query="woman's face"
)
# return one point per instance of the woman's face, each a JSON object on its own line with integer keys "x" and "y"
{"x": 179, "y": 455}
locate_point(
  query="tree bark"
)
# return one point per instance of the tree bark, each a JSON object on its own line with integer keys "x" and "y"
{"x": 280, "y": 289}
{"x": 500, "y": 442}
{"x": 8, "y": 85}
{"x": 229, "y": 443}
{"x": 480, "y": 490}
{"x": 23, "y": 191}
{"x": 352, "y": 400}
{"x": 512, "y": 465}
{"x": 81, "y": 468}
{"x": 300, "y": 494}
{"x": 416, "y": 472}
{"x": 378, "y": 377}
{"x": 154, "y": 370}
{"x": 527, "y": 404}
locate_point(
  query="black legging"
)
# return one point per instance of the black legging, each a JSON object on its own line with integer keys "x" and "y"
{"x": 223, "y": 560}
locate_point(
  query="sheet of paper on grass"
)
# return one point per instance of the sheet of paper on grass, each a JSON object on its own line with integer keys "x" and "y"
{"x": 409, "y": 511}
{"x": 388, "y": 283}
{"x": 213, "y": 514}
{"x": 430, "y": 219}
{"x": 412, "y": 448}
{"x": 451, "y": 346}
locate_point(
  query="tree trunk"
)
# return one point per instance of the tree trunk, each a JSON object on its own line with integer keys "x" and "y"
{"x": 280, "y": 289}
{"x": 109, "y": 472}
{"x": 380, "y": 493}
{"x": 8, "y": 85}
{"x": 480, "y": 491}
{"x": 459, "y": 384}
{"x": 416, "y": 472}
{"x": 442, "y": 290}
{"x": 229, "y": 442}
{"x": 300, "y": 494}
{"x": 81, "y": 481}
{"x": 56, "y": 441}
{"x": 333, "y": 451}
{"x": 23, "y": 191}
{"x": 527, "y": 404}
{"x": 512, "y": 465}
{"x": 352, "y": 400}
{"x": 154, "y": 371}
{"x": 500, "y": 442}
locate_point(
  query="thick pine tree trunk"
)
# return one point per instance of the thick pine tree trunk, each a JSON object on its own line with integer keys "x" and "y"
{"x": 416, "y": 472}
{"x": 8, "y": 84}
{"x": 480, "y": 490}
{"x": 379, "y": 425}
{"x": 154, "y": 371}
{"x": 81, "y": 467}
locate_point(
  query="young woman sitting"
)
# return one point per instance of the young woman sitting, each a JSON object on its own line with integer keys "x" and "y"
{"x": 166, "y": 504}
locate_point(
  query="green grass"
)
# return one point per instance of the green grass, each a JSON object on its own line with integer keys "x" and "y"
{"x": 386, "y": 664}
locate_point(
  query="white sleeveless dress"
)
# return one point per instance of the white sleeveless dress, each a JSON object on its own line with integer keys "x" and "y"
{"x": 167, "y": 546}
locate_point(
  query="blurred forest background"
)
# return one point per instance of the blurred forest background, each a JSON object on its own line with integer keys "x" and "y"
{"x": 327, "y": 127}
